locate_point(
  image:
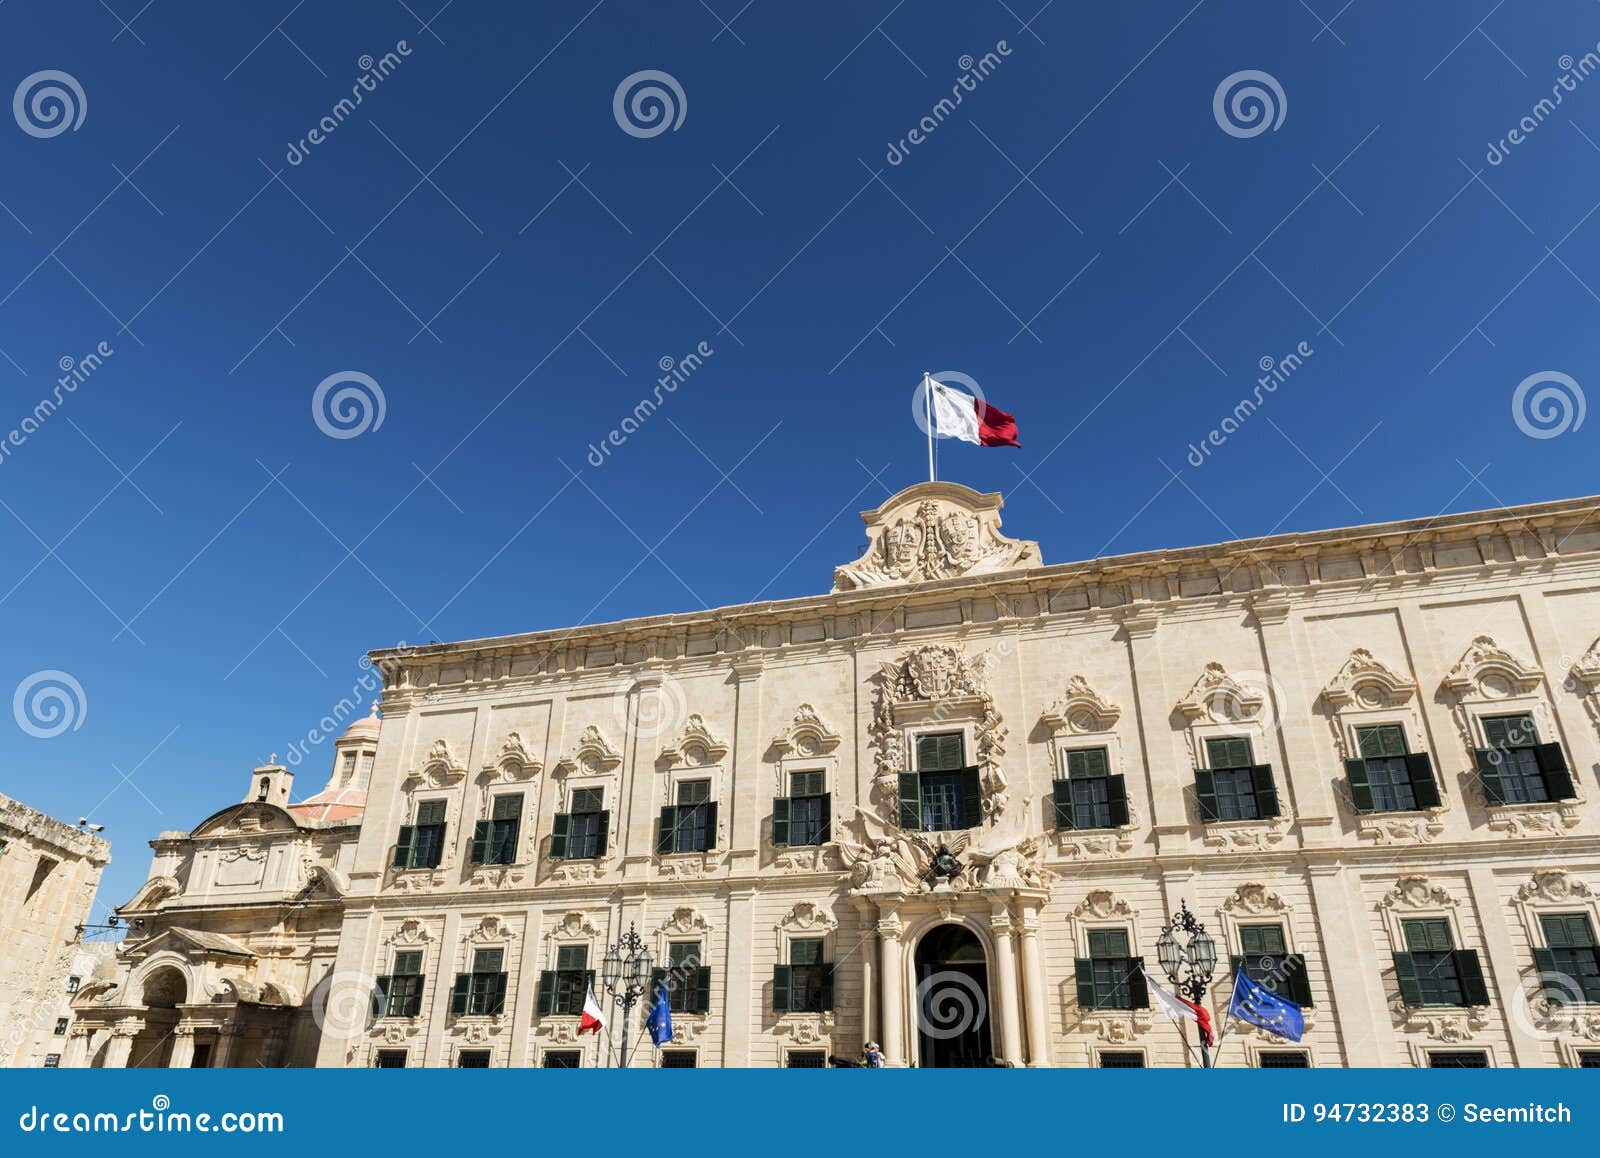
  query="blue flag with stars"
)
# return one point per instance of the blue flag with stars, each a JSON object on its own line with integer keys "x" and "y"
{"x": 1265, "y": 1009}
{"x": 660, "y": 1023}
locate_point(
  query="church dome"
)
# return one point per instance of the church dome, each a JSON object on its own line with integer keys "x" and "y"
{"x": 365, "y": 728}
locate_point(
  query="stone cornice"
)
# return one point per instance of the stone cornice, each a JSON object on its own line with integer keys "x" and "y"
{"x": 1135, "y": 586}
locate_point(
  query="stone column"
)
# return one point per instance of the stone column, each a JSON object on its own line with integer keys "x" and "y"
{"x": 1166, "y": 766}
{"x": 121, "y": 1048}
{"x": 742, "y": 986}
{"x": 1355, "y": 973}
{"x": 182, "y": 1054}
{"x": 1003, "y": 984}
{"x": 77, "y": 1055}
{"x": 1033, "y": 981}
{"x": 867, "y": 951}
{"x": 892, "y": 975}
{"x": 222, "y": 1056}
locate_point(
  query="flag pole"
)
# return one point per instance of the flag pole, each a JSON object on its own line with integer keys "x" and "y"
{"x": 927, "y": 399}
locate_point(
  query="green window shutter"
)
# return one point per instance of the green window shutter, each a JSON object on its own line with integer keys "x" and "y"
{"x": 940, "y": 753}
{"x": 827, "y": 819}
{"x": 547, "y": 992}
{"x": 480, "y": 842}
{"x": 658, "y": 982}
{"x": 780, "y": 821}
{"x": 782, "y": 988}
{"x": 701, "y": 993}
{"x": 460, "y": 994}
{"x": 1236, "y": 964}
{"x": 1062, "y": 791}
{"x": 1205, "y": 792}
{"x": 496, "y": 1003}
{"x": 560, "y": 830}
{"x": 602, "y": 834}
{"x": 666, "y": 828}
{"x": 1550, "y": 978}
{"x": 1360, "y": 788}
{"x": 1266, "y": 790}
{"x": 1489, "y": 773}
{"x": 1138, "y": 991}
{"x": 1405, "y": 972}
{"x": 402, "y": 848}
{"x": 972, "y": 797}
{"x": 1117, "y": 800}
{"x": 381, "y": 998}
{"x": 910, "y": 801}
{"x": 1419, "y": 767}
{"x": 1474, "y": 989}
{"x": 1084, "y": 970}
{"x": 711, "y": 825}
{"x": 827, "y": 987}
{"x": 1298, "y": 981}
{"x": 1557, "y": 779}
{"x": 436, "y": 849}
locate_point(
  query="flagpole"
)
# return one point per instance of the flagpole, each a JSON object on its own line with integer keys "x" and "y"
{"x": 927, "y": 400}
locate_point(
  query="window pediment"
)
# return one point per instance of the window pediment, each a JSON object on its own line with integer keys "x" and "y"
{"x": 593, "y": 755}
{"x": 1081, "y": 709}
{"x": 695, "y": 747}
{"x": 1489, "y": 671}
{"x": 440, "y": 768}
{"x": 1367, "y": 682}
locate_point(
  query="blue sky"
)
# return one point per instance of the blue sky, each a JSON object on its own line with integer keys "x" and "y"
{"x": 482, "y": 239}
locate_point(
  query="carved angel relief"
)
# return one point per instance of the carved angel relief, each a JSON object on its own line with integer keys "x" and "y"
{"x": 934, "y": 531}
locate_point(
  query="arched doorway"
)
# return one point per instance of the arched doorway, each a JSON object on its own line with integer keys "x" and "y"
{"x": 952, "y": 1002}
{"x": 164, "y": 990}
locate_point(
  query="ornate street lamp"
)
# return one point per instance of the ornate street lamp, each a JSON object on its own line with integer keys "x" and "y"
{"x": 1183, "y": 943}
{"x": 625, "y": 973}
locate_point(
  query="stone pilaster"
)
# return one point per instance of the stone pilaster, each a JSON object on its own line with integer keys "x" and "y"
{"x": 1004, "y": 984}
{"x": 891, "y": 970}
{"x": 1033, "y": 982}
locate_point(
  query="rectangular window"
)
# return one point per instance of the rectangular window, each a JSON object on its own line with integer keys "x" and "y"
{"x": 803, "y": 815}
{"x": 1383, "y": 752}
{"x": 484, "y": 987}
{"x": 61, "y": 1027}
{"x": 347, "y": 769}
{"x": 52, "y": 1061}
{"x": 1569, "y": 965}
{"x": 687, "y": 980}
{"x": 1432, "y": 971}
{"x": 495, "y": 841}
{"x": 72, "y": 984}
{"x": 561, "y": 1059}
{"x": 1228, "y": 752}
{"x": 390, "y": 1059}
{"x": 1514, "y": 740}
{"x": 562, "y": 989}
{"x": 581, "y": 833}
{"x": 1589, "y": 1059}
{"x": 1119, "y": 1059}
{"x": 943, "y": 806}
{"x": 1089, "y": 796}
{"x": 806, "y": 1059}
{"x": 941, "y": 752}
{"x": 1283, "y": 1059}
{"x": 1110, "y": 977}
{"x": 1264, "y": 957}
{"x": 678, "y": 1059}
{"x": 1230, "y": 787}
{"x": 421, "y": 844}
{"x": 805, "y": 984}
{"x": 690, "y": 824}
{"x": 400, "y": 994}
{"x": 472, "y": 1059}
{"x": 1458, "y": 1059}
{"x": 1236, "y": 794}
{"x": 943, "y": 794}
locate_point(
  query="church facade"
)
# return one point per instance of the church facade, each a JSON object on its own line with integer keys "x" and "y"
{"x": 950, "y": 806}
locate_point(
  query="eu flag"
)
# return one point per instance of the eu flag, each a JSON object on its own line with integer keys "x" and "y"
{"x": 660, "y": 1023}
{"x": 1267, "y": 1010}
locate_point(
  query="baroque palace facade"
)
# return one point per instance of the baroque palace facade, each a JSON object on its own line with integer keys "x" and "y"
{"x": 948, "y": 807}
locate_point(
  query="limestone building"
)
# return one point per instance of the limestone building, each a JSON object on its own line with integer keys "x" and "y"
{"x": 949, "y": 806}
{"x": 48, "y": 875}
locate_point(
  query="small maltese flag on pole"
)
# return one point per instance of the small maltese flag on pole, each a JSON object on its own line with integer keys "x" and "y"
{"x": 957, "y": 414}
{"x": 593, "y": 1020}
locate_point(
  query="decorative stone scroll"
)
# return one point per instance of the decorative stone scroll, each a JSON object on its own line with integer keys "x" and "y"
{"x": 934, "y": 531}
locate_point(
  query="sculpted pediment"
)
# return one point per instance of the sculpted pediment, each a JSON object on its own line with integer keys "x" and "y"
{"x": 934, "y": 530}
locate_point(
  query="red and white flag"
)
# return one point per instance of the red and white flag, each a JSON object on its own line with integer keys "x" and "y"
{"x": 593, "y": 1020}
{"x": 1178, "y": 1008}
{"x": 957, "y": 414}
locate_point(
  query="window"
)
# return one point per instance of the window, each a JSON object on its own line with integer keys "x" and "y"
{"x": 400, "y": 992}
{"x": 483, "y": 991}
{"x": 1569, "y": 965}
{"x": 347, "y": 769}
{"x": 52, "y": 1061}
{"x": 1117, "y": 1059}
{"x": 1458, "y": 1059}
{"x": 1088, "y": 796}
{"x": 1283, "y": 1059}
{"x": 687, "y": 981}
{"x": 562, "y": 989}
{"x": 472, "y": 1059}
{"x": 1231, "y": 787}
{"x": 943, "y": 794}
{"x": 494, "y": 841}
{"x": 581, "y": 832}
{"x": 802, "y": 817}
{"x": 1589, "y": 1059}
{"x": 61, "y": 1027}
{"x": 690, "y": 825}
{"x": 805, "y": 985}
{"x": 1433, "y": 972}
{"x": 1388, "y": 778}
{"x": 421, "y": 845}
{"x": 561, "y": 1059}
{"x": 1516, "y": 768}
{"x": 678, "y": 1059}
{"x": 806, "y": 1059}
{"x": 390, "y": 1059}
{"x": 1265, "y": 959}
{"x": 1110, "y": 977}
{"x": 73, "y": 983}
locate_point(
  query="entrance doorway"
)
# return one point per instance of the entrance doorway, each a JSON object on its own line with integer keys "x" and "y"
{"x": 952, "y": 999}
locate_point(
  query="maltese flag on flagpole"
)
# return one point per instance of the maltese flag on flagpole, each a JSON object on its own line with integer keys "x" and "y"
{"x": 957, "y": 414}
{"x": 593, "y": 1020}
